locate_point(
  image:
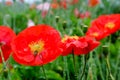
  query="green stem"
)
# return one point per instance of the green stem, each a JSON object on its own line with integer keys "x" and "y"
{"x": 109, "y": 70}
{"x": 4, "y": 64}
{"x": 74, "y": 62}
{"x": 117, "y": 64}
{"x": 66, "y": 70}
{"x": 44, "y": 73}
{"x": 107, "y": 61}
{"x": 1, "y": 53}
{"x": 84, "y": 67}
{"x": 99, "y": 65}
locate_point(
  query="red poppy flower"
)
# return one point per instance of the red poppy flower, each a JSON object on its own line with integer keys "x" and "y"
{"x": 96, "y": 33}
{"x": 6, "y": 36}
{"x": 93, "y": 3}
{"x": 63, "y": 4}
{"x": 74, "y": 1}
{"x": 76, "y": 12}
{"x": 81, "y": 15}
{"x": 32, "y": 6}
{"x": 85, "y": 15}
{"x": 78, "y": 45}
{"x": 44, "y": 13}
{"x": 104, "y": 25}
{"x": 54, "y": 5}
{"x": 36, "y": 45}
{"x": 8, "y": 3}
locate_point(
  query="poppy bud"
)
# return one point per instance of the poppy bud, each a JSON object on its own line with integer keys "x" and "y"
{"x": 57, "y": 18}
{"x": 105, "y": 50}
{"x": 64, "y": 24}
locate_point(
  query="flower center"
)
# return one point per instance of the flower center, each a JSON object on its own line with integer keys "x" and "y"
{"x": 69, "y": 37}
{"x": 110, "y": 25}
{"x": 36, "y": 47}
{"x": 2, "y": 43}
{"x": 95, "y": 34}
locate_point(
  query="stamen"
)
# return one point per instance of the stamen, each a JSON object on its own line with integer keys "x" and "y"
{"x": 110, "y": 25}
{"x": 69, "y": 37}
{"x": 95, "y": 34}
{"x": 36, "y": 47}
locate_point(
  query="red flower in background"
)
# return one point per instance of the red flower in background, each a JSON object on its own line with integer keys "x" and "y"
{"x": 85, "y": 15}
{"x": 78, "y": 45}
{"x": 8, "y": 2}
{"x": 103, "y": 26}
{"x": 63, "y": 4}
{"x": 44, "y": 13}
{"x": 93, "y": 3}
{"x": 36, "y": 45}
{"x": 54, "y": 5}
{"x": 81, "y": 15}
{"x": 32, "y": 6}
{"x": 57, "y": 4}
{"x": 6, "y": 36}
{"x": 75, "y": 1}
{"x": 76, "y": 13}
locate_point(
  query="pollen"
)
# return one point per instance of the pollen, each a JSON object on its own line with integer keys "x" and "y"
{"x": 110, "y": 25}
{"x": 95, "y": 34}
{"x": 36, "y": 47}
{"x": 69, "y": 37}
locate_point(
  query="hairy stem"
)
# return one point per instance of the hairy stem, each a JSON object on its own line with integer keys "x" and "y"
{"x": 84, "y": 67}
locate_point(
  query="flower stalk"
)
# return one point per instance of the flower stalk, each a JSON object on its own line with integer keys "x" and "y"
{"x": 84, "y": 67}
{"x": 74, "y": 63}
{"x": 4, "y": 64}
{"x": 109, "y": 70}
{"x": 44, "y": 73}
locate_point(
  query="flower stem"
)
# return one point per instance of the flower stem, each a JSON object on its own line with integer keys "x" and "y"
{"x": 84, "y": 67}
{"x": 44, "y": 73}
{"x": 4, "y": 64}
{"x": 107, "y": 61}
{"x": 109, "y": 70}
{"x": 1, "y": 54}
{"x": 117, "y": 64}
{"x": 66, "y": 70}
{"x": 74, "y": 62}
{"x": 99, "y": 66}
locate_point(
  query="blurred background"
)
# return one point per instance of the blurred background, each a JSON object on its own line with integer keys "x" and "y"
{"x": 70, "y": 17}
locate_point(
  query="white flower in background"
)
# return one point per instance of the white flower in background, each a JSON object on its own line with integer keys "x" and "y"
{"x": 9, "y": 0}
{"x": 43, "y": 6}
{"x": 32, "y": 1}
{"x": 29, "y": 1}
{"x": 30, "y": 23}
{"x": 0, "y": 1}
